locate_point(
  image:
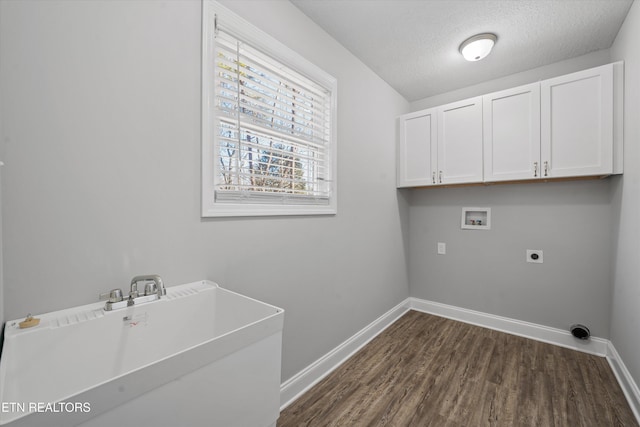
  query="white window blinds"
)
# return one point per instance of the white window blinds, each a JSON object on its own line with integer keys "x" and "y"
{"x": 272, "y": 129}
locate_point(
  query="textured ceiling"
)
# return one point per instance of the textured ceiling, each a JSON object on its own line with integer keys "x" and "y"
{"x": 413, "y": 44}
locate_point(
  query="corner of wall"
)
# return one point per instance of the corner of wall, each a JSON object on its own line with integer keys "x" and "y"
{"x": 2, "y": 319}
{"x": 626, "y": 235}
{"x": 2, "y": 153}
{"x": 626, "y": 381}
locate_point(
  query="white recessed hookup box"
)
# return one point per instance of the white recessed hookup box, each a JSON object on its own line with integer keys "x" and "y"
{"x": 476, "y": 219}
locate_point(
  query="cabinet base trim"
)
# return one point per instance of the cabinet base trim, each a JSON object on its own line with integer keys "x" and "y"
{"x": 520, "y": 181}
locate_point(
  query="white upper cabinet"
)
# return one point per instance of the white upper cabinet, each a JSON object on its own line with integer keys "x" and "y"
{"x": 460, "y": 142}
{"x": 417, "y": 149}
{"x": 568, "y": 126}
{"x": 512, "y": 134}
{"x": 577, "y": 123}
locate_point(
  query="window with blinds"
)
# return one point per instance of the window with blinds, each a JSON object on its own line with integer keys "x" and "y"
{"x": 271, "y": 139}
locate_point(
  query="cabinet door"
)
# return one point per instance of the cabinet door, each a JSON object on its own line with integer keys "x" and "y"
{"x": 512, "y": 134}
{"x": 460, "y": 142}
{"x": 417, "y": 149}
{"x": 577, "y": 123}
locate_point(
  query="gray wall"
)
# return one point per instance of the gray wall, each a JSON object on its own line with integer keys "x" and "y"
{"x": 486, "y": 270}
{"x": 100, "y": 107}
{"x": 583, "y": 62}
{"x": 1, "y": 257}
{"x": 100, "y": 133}
{"x": 572, "y": 222}
{"x": 625, "y": 308}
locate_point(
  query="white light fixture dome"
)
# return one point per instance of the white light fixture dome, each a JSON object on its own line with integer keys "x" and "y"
{"x": 477, "y": 47}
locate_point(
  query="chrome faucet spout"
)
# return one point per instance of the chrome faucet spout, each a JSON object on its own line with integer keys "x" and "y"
{"x": 155, "y": 278}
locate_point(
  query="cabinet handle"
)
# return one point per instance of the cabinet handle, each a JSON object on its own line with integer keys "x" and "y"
{"x": 546, "y": 168}
{"x": 440, "y": 177}
{"x": 433, "y": 177}
{"x": 535, "y": 169}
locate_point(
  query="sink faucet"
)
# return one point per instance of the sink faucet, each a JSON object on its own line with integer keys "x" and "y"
{"x": 153, "y": 290}
{"x": 160, "y": 290}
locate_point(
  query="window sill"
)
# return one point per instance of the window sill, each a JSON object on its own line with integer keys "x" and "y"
{"x": 249, "y": 210}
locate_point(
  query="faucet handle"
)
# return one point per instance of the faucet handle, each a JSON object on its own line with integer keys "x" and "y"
{"x": 114, "y": 295}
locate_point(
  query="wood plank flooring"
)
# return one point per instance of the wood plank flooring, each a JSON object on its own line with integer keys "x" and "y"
{"x": 426, "y": 371}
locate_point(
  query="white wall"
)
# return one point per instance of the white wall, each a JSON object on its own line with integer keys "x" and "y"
{"x": 486, "y": 270}
{"x": 625, "y": 308}
{"x": 100, "y": 107}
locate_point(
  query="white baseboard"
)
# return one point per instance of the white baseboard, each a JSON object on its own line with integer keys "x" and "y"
{"x": 597, "y": 346}
{"x": 294, "y": 387}
{"x": 311, "y": 375}
{"x": 628, "y": 385}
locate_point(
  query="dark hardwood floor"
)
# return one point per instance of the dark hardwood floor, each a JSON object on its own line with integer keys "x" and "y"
{"x": 426, "y": 370}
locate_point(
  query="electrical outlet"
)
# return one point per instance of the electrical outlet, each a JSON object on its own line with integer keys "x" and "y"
{"x": 535, "y": 256}
{"x": 442, "y": 248}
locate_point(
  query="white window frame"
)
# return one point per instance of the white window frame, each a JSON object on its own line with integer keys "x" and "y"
{"x": 216, "y": 14}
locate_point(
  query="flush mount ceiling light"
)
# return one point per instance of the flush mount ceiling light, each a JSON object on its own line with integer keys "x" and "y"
{"x": 477, "y": 47}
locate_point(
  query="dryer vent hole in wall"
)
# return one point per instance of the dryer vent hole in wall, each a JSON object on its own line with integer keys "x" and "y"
{"x": 580, "y": 331}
